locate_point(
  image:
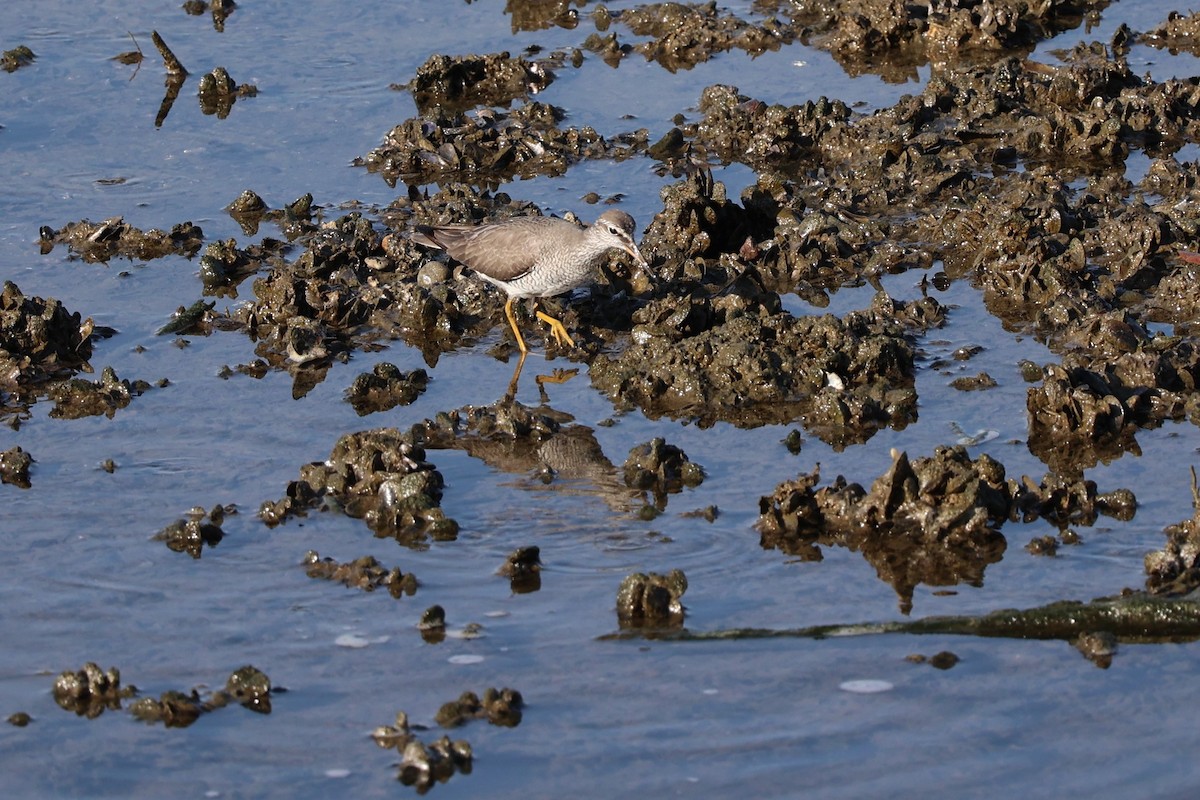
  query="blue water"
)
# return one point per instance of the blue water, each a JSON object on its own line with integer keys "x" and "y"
{"x": 83, "y": 580}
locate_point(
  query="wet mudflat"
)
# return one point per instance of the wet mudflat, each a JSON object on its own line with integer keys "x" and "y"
{"x": 913, "y": 342}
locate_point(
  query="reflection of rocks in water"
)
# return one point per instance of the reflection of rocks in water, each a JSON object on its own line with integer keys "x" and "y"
{"x": 539, "y": 443}
{"x": 651, "y": 601}
{"x": 933, "y": 520}
{"x": 378, "y": 476}
{"x": 295, "y": 220}
{"x": 224, "y": 265}
{"x": 218, "y": 92}
{"x": 191, "y": 535}
{"x": 364, "y": 573}
{"x": 536, "y": 15}
{"x": 1099, "y": 647}
{"x": 20, "y": 56}
{"x": 174, "y": 709}
{"x": 432, "y": 625}
{"x": 943, "y": 660}
{"x": 1179, "y": 32}
{"x": 893, "y": 39}
{"x": 1078, "y": 419}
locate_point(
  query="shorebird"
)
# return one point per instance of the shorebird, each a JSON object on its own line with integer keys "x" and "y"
{"x": 534, "y": 256}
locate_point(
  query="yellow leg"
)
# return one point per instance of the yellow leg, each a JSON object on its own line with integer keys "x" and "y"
{"x": 556, "y": 327}
{"x": 512, "y": 385}
{"x": 508, "y": 312}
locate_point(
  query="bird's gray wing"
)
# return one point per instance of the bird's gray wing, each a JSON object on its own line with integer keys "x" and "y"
{"x": 503, "y": 251}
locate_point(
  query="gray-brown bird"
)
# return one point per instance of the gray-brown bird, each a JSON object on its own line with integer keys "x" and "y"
{"x": 534, "y": 256}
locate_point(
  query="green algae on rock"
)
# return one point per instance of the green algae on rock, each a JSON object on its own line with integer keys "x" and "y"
{"x": 1094, "y": 627}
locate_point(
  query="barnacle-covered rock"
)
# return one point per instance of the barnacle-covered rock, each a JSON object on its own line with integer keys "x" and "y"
{"x": 845, "y": 377}
{"x": 103, "y": 241}
{"x": 1178, "y": 32}
{"x": 39, "y": 339}
{"x": 686, "y": 34}
{"x": 174, "y": 709}
{"x": 459, "y": 82}
{"x": 217, "y": 92}
{"x": 364, "y": 573}
{"x": 385, "y": 387}
{"x": 931, "y": 520}
{"x": 651, "y": 600}
{"x": 523, "y": 568}
{"x": 20, "y": 56}
{"x": 661, "y": 469}
{"x": 200, "y": 529}
{"x": 77, "y": 397}
{"x": 488, "y": 147}
{"x": 499, "y": 707}
{"x": 14, "y": 467}
{"x": 90, "y": 691}
{"x": 1175, "y": 569}
{"x": 378, "y": 476}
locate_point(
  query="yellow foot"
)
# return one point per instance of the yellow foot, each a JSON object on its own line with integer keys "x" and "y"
{"x": 560, "y": 333}
{"x": 558, "y": 376}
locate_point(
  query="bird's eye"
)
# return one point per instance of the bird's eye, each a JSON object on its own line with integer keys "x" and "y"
{"x": 613, "y": 230}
